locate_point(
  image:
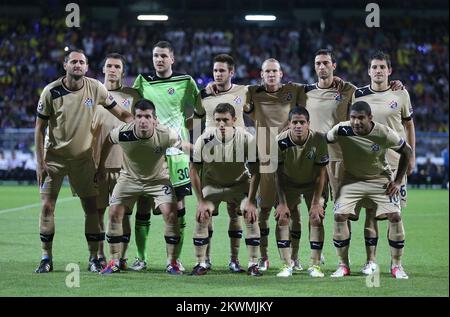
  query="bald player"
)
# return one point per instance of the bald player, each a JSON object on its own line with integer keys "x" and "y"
{"x": 102, "y": 124}
{"x": 392, "y": 108}
{"x": 303, "y": 156}
{"x": 217, "y": 174}
{"x": 235, "y": 95}
{"x": 369, "y": 182}
{"x": 66, "y": 107}
{"x": 269, "y": 106}
{"x": 144, "y": 173}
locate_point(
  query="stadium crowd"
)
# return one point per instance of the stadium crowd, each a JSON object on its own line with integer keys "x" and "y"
{"x": 31, "y": 54}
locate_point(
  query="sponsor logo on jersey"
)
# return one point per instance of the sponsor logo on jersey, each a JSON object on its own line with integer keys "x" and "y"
{"x": 237, "y": 100}
{"x": 171, "y": 91}
{"x": 393, "y": 104}
{"x": 110, "y": 97}
{"x": 375, "y": 147}
{"x": 89, "y": 102}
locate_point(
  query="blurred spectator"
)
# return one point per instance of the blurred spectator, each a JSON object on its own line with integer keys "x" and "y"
{"x": 31, "y": 54}
{"x": 428, "y": 174}
{"x": 3, "y": 166}
{"x": 444, "y": 155}
{"x": 15, "y": 166}
{"x": 29, "y": 173}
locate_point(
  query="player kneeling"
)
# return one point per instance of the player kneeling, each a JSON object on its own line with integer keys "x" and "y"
{"x": 219, "y": 175}
{"x": 144, "y": 173}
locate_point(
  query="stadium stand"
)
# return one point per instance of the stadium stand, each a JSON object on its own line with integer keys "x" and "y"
{"x": 31, "y": 52}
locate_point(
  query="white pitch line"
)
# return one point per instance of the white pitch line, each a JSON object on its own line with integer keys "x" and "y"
{"x": 4, "y": 211}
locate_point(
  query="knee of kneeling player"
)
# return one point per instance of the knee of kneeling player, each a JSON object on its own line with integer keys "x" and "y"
{"x": 315, "y": 222}
{"x": 283, "y": 222}
{"x": 394, "y": 217}
{"x": 340, "y": 217}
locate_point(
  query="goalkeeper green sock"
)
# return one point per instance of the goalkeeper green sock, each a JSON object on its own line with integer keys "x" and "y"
{"x": 141, "y": 230}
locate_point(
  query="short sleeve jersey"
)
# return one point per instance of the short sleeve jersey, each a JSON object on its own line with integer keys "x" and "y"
{"x": 389, "y": 108}
{"x": 327, "y": 107}
{"x": 365, "y": 155}
{"x": 104, "y": 122}
{"x": 271, "y": 109}
{"x": 236, "y": 96}
{"x": 299, "y": 161}
{"x": 69, "y": 114}
{"x": 144, "y": 159}
{"x": 222, "y": 163}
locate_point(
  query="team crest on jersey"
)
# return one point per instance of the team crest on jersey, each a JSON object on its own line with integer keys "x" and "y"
{"x": 288, "y": 96}
{"x": 171, "y": 91}
{"x": 337, "y": 206}
{"x": 375, "y": 147}
{"x": 393, "y": 104}
{"x": 157, "y": 150}
{"x": 237, "y": 100}
{"x": 126, "y": 103}
{"x": 338, "y": 96}
{"x": 89, "y": 102}
{"x": 40, "y": 106}
{"x": 310, "y": 154}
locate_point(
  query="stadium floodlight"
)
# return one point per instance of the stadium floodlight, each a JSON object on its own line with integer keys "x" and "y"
{"x": 260, "y": 17}
{"x": 152, "y": 17}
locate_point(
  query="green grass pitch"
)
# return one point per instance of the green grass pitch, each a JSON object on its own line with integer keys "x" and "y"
{"x": 425, "y": 258}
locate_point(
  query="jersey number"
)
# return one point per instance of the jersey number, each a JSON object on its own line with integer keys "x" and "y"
{"x": 183, "y": 173}
{"x": 167, "y": 190}
{"x": 394, "y": 199}
{"x": 403, "y": 190}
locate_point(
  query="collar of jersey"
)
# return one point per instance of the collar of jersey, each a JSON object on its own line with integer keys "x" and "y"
{"x": 317, "y": 86}
{"x": 117, "y": 89}
{"x": 135, "y": 134}
{"x": 225, "y": 91}
{"x": 378, "y": 91}
{"x": 65, "y": 87}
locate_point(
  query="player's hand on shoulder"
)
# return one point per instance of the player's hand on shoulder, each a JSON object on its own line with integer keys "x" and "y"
{"x": 396, "y": 85}
{"x": 338, "y": 83}
{"x": 212, "y": 88}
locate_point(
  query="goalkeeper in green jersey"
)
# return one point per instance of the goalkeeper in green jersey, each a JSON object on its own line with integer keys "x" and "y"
{"x": 171, "y": 93}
